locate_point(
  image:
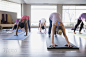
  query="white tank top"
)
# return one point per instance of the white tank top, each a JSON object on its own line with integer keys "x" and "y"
{"x": 43, "y": 20}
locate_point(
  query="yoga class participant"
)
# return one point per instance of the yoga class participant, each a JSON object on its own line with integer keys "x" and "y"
{"x": 55, "y": 19}
{"x": 81, "y": 19}
{"x": 23, "y": 24}
{"x": 42, "y": 24}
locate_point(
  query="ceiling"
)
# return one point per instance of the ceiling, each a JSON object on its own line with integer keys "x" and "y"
{"x": 49, "y": 1}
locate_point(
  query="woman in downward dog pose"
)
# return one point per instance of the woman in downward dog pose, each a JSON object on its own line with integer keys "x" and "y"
{"x": 23, "y": 24}
{"x": 56, "y": 22}
{"x": 82, "y": 20}
{"x": 42, "y": 24}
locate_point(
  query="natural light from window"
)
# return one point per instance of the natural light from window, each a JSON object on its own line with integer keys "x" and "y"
{"x": 41, "y": 11}
{"x": 71, "y": 13}
{"x": 11, "y": 7}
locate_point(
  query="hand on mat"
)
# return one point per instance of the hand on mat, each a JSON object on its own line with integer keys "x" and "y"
{"x": 25, "y": 35}
{"x": 53, "y": 45}
{"x": 15, "y": 35}
{"x": 69, "y": 45}
{"x": 45, "y": 32}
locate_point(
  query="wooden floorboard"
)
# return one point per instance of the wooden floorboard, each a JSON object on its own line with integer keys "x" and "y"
{"x": 35, "y": 46}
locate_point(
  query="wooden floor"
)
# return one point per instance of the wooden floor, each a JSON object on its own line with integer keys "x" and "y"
{"x": 35, "y": 46}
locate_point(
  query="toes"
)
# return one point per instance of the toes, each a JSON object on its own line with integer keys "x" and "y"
{"x": 71, "y": 46}
{"x": 52, "y": 46}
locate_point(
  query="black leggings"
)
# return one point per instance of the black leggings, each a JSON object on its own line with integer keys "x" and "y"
{"x": 81, "y": 26}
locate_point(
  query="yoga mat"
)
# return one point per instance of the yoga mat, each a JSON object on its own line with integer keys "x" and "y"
{"x": 83, "y": 35}
{"x": 42, "y": 32}
{"x": 60, "y": 41}
{"x": 6, "y": 29}
{"x": 9, "y": 31}
{"x": 18, "y": 30}
{"x": 19, "y": 37}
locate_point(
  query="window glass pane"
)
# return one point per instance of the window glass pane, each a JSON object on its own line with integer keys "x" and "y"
{"x": 80, "y": 7}
{"x": 71, "y": 15}
{"x": 68, "y": 17}
{"x": 11, "y": 7}
{"x": 79, "y": 12}
{"x": 68, "y": 7}
{"x": 38, "y": 12}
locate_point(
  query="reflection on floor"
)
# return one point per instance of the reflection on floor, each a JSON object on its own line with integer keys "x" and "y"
{"x": 35, "y": 46}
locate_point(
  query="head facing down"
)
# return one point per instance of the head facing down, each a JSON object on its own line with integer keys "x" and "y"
{"x": 59, "y": 30}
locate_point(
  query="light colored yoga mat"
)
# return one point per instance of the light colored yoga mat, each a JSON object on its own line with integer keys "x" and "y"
{"x": 19, "y": 37}
{"x": 83, "y": 35}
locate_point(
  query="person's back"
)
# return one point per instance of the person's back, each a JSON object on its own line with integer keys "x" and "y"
{"x": 81, "y": 20}
{"x": 43, "y": 20}
{"x": 55, "y": 17}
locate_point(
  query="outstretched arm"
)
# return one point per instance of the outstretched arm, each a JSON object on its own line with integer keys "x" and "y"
{"x": 39, "y": 25}
{"x": 17, "y": 29}
{"x": 53, "y": 31}
{"x": 45, "y": 27}
{"x": 68, "y": 44}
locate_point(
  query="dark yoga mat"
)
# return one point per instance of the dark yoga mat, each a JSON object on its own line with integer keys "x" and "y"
{"x": 19, "y": 37}
{"x": 60, "y": 41}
